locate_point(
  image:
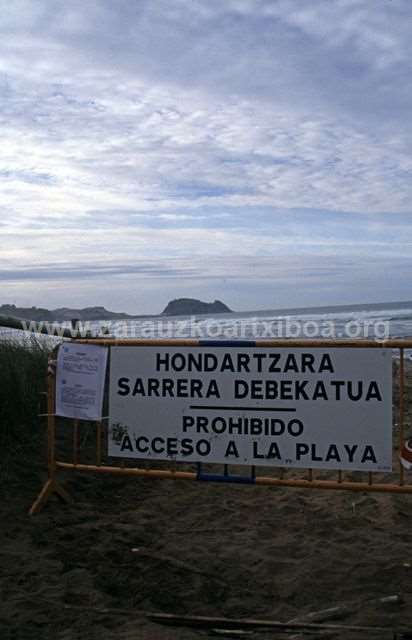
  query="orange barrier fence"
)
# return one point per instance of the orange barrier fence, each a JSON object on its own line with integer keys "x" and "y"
{"x": 69, "y": 455}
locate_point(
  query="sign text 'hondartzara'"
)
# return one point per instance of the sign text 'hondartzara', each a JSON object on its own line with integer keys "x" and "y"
{"x": 313, "y": 408}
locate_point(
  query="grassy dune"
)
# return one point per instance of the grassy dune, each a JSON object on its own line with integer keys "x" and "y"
{"x": 23, "y": 370}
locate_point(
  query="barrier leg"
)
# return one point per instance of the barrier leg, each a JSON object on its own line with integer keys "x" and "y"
{"x": 60, "y": 492}
{"x": 51, "y": 486}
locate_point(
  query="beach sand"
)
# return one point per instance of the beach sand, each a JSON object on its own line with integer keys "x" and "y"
{"x": 132, "y": 545}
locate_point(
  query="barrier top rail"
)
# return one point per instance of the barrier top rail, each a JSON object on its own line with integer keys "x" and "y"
{"x": 389, "y": 343}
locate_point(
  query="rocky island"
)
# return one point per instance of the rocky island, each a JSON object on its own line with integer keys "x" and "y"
{"x": 191, "y": 306}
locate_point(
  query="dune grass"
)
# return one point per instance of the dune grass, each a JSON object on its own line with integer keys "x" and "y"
{"x": 23, "y": 371}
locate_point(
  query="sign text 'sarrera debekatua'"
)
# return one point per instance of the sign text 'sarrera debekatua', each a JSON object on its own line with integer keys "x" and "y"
{"x": 311, "y": 408}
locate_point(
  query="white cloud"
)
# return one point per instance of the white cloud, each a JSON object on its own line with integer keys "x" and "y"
{"x": 167, "y": 120}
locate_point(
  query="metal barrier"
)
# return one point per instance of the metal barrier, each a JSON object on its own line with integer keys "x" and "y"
{"x": 394, "y": 481}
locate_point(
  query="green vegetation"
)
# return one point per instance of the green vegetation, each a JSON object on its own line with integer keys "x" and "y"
{"x": 23, "y": 370}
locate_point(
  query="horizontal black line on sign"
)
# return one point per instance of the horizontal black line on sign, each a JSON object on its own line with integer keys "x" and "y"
{"x": 215, "y": 407}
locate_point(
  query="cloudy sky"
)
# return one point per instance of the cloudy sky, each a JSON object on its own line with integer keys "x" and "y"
{"x": 256, "y": 151}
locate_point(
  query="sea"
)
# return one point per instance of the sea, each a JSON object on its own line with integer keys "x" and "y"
{"x": 377, "y": 321}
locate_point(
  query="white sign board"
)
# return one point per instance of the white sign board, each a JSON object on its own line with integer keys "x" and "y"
{"x": 311, "y": 408}
{"x": 80, "y": 378}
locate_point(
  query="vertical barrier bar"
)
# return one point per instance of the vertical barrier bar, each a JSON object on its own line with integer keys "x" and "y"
{"x": 310, "y": 475}
{"x": 75, "y": 441}
{"x": 51, "y": 425}
{"x": 51, "y": 485}
{"x": 99, "y": 443}
{"x": 401, "y": 411}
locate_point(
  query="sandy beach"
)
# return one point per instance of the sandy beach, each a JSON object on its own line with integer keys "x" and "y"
{"x": 126, "y": 546}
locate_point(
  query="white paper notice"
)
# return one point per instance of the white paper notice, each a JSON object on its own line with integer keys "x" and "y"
{"x": 80, "y": 378}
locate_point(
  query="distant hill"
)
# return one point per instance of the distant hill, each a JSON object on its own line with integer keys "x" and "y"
{"x": 191, "y": 306}
{"x": 60, "y": 315}
{"x": 26, "y": 313}
{"x": 182, "y": 306}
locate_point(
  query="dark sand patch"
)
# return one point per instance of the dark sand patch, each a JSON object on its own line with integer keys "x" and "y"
{"x": 195, "y": 548}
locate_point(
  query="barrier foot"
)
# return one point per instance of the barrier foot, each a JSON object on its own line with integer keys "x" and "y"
{"x": 61, "y": 493}
{"x": 50, "y": 487}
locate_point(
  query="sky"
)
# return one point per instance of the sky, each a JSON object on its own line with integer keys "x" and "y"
{"x": 254, "y": 151}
